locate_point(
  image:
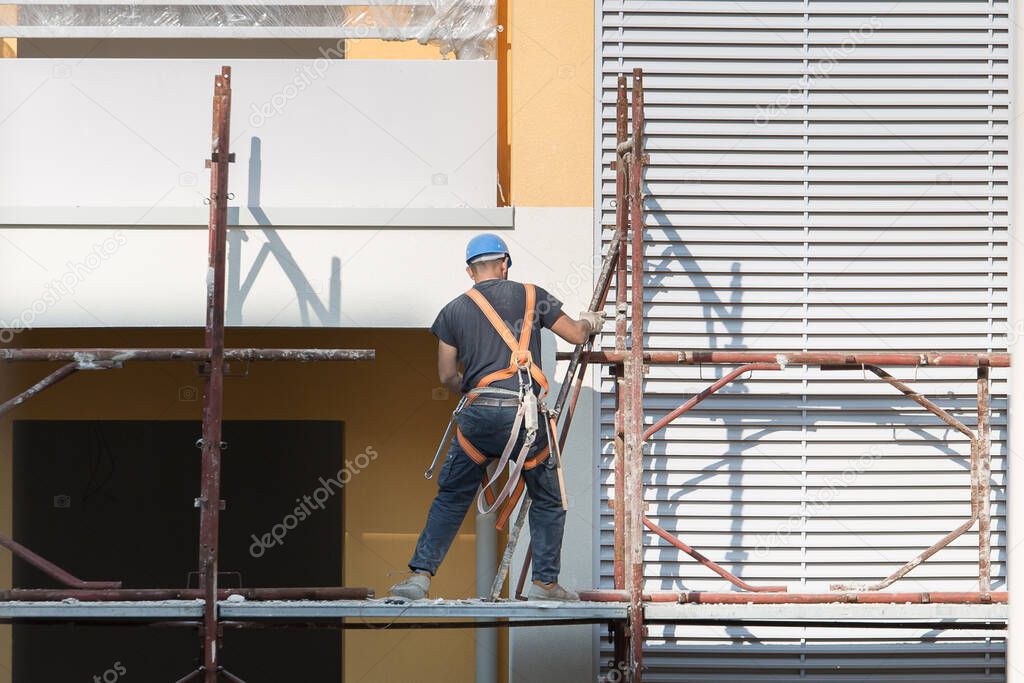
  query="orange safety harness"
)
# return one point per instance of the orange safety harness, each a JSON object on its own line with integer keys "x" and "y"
{"x": 521, "y": 365}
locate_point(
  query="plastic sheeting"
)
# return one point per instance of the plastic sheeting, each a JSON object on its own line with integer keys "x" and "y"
{"x": 466, "y": 29}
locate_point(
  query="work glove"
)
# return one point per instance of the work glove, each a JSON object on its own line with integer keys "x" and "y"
{"x": 595, "y": 319}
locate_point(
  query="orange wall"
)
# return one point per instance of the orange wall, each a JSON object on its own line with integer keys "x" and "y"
{"x": 389, "y": 49}
{"x": 8, "y": 46}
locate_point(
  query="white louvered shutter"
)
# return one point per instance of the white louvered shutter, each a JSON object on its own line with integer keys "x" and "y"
{"x": 824, "y": 175}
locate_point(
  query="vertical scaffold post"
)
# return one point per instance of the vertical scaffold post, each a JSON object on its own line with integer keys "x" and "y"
{"x": 621, "y": 284}
{"x": 213, "y": 396}
{"x": 633, "y": 372}
{"x": 984, "y": 446}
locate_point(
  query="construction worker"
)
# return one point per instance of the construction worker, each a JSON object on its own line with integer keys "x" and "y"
{"x": 497, "y": 318}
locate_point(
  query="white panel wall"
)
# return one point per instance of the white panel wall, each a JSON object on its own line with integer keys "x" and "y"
{"x": 86, "y": 277}
{"x": 358, "y": 183}
{"x": 307, "y": 133}
{"x": 824, "y": 175}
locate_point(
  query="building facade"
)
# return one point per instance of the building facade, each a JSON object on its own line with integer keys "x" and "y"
{"x": 823, "y": 176}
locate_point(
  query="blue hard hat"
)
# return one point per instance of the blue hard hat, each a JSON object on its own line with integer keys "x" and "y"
{"x": 487, "y": 243}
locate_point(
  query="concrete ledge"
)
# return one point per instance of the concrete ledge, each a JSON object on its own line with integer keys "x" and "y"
{"x": 274, "y": 217}
{"x": 158, "y": 31}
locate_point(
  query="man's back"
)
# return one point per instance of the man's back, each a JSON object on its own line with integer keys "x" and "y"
{"x": 481, "y": 349}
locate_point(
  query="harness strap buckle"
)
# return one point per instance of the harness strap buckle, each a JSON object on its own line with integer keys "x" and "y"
{"x": 522, "y": 359}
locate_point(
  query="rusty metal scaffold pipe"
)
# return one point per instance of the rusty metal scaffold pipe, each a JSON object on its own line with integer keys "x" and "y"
{"x": 190, "y": 677}
{"x": 98, "y": 594}
{"x": 628, "y": 367}
{"x": 786, "y": 358}
{"x": 213, "y": 396}
{"x": 633, "y": 373}
{"x": 983, "y": 440}
{"x": 50, "y": 569}
{"x": 729, "y": 377}
{"x": 922, "y": 401}
{"x": 619, "y": 636}
{"x": 103, "y": 359}
{"x": 713, "y": 566}
{"x": 85, "y": 356}
{"x": 61, "y": 373}
{"x": 851, "y": 597}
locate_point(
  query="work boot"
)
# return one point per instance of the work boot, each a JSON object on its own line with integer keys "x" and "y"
{"x": 551, "y": 591}
{"x": 413, "y": 588}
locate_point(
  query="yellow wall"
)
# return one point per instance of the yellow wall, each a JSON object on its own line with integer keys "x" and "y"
{"x": 388, "y": 404}
{"x": 552, "y": 102}
{"x": 389, "y": 49}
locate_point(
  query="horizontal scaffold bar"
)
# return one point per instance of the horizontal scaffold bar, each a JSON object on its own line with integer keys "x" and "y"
{"x": 84, "y": 356}
{"x": 784, "y": 358}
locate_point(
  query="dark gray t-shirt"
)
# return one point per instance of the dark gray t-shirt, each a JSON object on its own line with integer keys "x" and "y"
{"x": 481, "y": 349}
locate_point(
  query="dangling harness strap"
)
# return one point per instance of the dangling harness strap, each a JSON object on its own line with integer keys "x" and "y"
{"x": 480, "y": 459}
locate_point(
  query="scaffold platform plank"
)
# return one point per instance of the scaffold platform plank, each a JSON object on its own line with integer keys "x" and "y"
{"x": 314, "y": 610}
{"x": 150, "y": 610}
{"x": 427, "y": 610}
{"x": 422, "y": 609}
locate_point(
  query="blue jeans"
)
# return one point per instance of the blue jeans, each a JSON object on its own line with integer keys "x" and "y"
{"x": 488, "y": 428}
